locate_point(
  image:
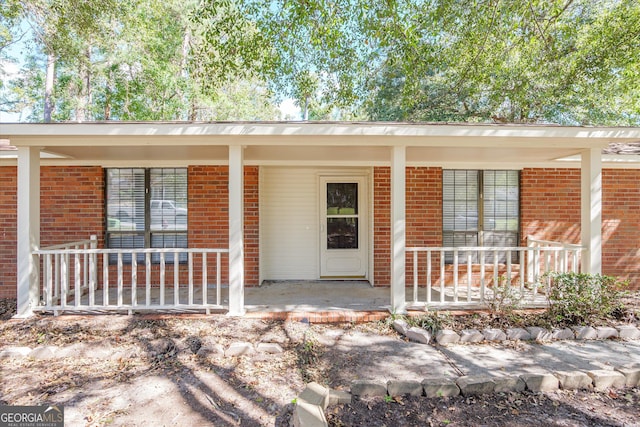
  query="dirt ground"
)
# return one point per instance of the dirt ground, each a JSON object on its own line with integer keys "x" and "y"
{"x": 514, "y": 409}
{"x": 151, "y": 371}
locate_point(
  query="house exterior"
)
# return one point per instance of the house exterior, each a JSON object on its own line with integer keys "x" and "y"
{"x": 246, "y": 203}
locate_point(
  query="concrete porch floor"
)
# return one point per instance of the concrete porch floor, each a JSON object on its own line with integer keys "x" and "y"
{"x": 356, "y": 295}
{"x": 316, "y": 296}
{"x": 316, "y": 301}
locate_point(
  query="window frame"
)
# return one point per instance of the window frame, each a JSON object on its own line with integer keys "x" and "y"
{"x": 480, "y": 204}
{"x": 148, "y": 232}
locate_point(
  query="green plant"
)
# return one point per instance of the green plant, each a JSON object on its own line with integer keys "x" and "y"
{"x": 503, "y": 299}
{"x": 388, "y": 399}
{"x": 431, "y": 321}
{"x": 580, "y": 298}
{"x": 308, "y": 352}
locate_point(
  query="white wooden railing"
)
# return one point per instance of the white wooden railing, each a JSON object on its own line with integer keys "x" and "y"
{"x": 470, "y": 276}
{"x": 78, "y": 276}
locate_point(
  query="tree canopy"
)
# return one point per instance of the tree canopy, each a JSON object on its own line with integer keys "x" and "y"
{"x": 551, "y": 61}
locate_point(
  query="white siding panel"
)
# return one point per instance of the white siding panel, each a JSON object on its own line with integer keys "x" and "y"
{"x": 289, "y": 223}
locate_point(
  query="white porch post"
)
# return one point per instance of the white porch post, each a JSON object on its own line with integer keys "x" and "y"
{"x": 28, "y": 232}
{"x": 398, "y": 229}
{"x": 236, "y": 231}
{"x": 591, "y": 206}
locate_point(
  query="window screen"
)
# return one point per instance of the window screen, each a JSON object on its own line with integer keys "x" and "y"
{"x": 480, "y": 208}
{"x": 501, "y": 201}
{"x": 146, "y": 208}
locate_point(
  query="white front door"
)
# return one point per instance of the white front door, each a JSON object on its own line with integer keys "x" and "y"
{"x": 343, "y": 227}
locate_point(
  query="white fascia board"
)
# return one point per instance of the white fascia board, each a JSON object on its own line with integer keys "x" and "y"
{"x": 609, "y": 161}
{"x": 267, "y": 133}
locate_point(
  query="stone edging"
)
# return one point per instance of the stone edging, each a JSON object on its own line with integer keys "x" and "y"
{"x": 314, "y": 399}
{"x": 311, "y": 404}
{"x": 532, "y": 333}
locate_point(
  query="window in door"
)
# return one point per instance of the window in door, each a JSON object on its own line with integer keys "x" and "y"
{"x": 342, "y": 215}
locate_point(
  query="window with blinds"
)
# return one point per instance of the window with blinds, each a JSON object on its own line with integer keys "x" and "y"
{"x": 480, "y": 208}
{"x": 146, "y": 208}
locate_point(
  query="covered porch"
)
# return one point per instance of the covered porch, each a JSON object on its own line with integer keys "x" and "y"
{"x": 80, "y": 276}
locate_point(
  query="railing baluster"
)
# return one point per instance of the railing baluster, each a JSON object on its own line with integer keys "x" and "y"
{"x": 205, "y": 297}
{"x": 483, "y": 283}
{"x": 509, "y": 268}
{"x": 442, "y": 276}
{"x": 415, "y": 276}
{"x": 547, "y": 262}
{"x": 120, "y": 278}
{"x": 85, "y": 269}
{"x": 63, "y": 279}
{"x": 134, "y": 279}
{"x": 105, "y": 280}
{"x": 57, "y": 279}
{"x": 162, "y": 265}
{"x": 218, "y": 278}
{"x": 496, "y": 282}
{"x": 76, "y": 282}
{"x": 67, "y": 282}
{"x": 536, "y": 266}
{"x": 176, "y": 278}
{"x": 190, "y": 259}
{"x": 48, "y": 280}
{"x": 522, "y": 271}
{"x": 469, "y": 275}
{"x": 93, "y": 271}
{"x": 455, "y": 275}
{"x": 147, "y": 273}
{"x": 428, "y": 277}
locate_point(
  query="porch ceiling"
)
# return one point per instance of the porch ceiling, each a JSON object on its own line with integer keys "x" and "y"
{"x": 310, "y": 143}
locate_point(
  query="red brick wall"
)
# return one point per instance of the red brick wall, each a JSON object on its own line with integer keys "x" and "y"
{"x": 550, "y": 203}
{"x": 382, "y": 226}
{"x": 423, "y": 214}
{"x": 8, "y": 219}
{"x": 621, "y": 224}
{"x": 251, "y": 225}
{"x": 208, "y": 215}
{"x": 71, "y": 209}
{"x": 71, "y": 204}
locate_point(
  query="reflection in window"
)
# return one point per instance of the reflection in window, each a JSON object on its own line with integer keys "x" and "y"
{"x": 342, "y": 233}
{"x": 480, "y": 208}
{"x": 342, "y": 198}
{"x": 146, "y": 208}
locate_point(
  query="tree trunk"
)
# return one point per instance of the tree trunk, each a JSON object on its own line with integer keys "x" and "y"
{"x": 84, "y": 94}
{"x": 48, "y": 87}
{"x": 305, "y": 113}
{"x": 107, "y": 95}
{"x": 184, "y": 73}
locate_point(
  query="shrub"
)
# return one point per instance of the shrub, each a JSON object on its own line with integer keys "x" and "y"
{"x": 578, "y": 298}
{"x": 503, "y": 299}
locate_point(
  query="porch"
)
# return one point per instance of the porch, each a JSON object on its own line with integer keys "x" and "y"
{"x": 84, "y": 279}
